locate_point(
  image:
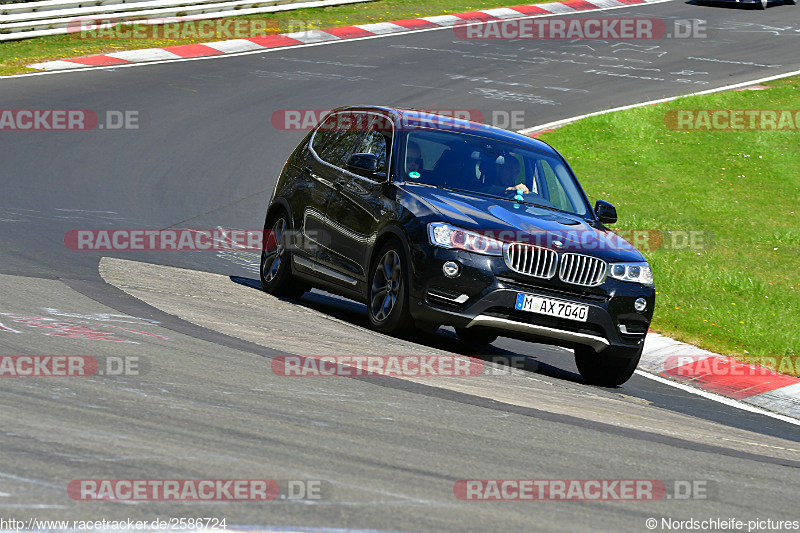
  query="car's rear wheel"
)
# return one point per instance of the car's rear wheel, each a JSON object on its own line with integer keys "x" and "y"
{"x": 387, "y": 295}
{"x": 276, "y": 268}
{"x": 476, "y": 335}
{"x": 609, "y": 368}
{"x": 790, "y": 2}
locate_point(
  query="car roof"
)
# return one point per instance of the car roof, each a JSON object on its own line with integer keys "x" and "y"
{"x": 422, "y": 118}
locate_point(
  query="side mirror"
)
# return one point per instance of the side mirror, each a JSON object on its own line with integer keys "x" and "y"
{"x": 364, "y": 165}
{"x": 605, "y": 211}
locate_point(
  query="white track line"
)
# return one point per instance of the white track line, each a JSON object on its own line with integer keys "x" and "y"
{"x": 561, "y": 122}
{"x": 718, "y": 398}
{"x": 282, "y": 49}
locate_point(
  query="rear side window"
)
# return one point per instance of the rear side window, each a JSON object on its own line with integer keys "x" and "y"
{"x": 336, "y": 139}
{"x": 322, "y": 138}
{"x": 373, "y": 142}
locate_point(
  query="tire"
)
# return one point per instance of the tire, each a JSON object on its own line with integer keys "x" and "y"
{"x": 790, "y": 2}
{"x": 476, "y": 335}
{"x": 276, "y": 259}
{"x": 387, "y": 291}
{"x": 609, "y": 368}
{"x": 763, "y": 4}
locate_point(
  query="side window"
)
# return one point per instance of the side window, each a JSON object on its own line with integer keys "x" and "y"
{"x": 531, "y": 171}
{"x": 325, "y": 134}
{"x": 336, "y": 152}
{"x": 557, "y": 195}
{"x": 521, "y": 176}
{"x": 425, "y": 152}
{"x": 373, "y": 142}
{"x": 335, "y": 140}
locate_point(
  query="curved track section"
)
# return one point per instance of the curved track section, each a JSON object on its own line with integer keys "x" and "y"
{"x": 389, "y": 451}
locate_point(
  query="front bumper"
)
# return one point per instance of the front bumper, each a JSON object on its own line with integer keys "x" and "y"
{"x": 535, "y": 330}
{"x": 484, "y": 296}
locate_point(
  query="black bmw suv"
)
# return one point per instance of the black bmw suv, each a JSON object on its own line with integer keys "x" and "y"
{"x": 431, "y": 220}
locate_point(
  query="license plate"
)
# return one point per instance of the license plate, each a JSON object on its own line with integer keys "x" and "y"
{"x": 548, "y": 306}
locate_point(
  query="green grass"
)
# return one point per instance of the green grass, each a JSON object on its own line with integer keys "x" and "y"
{"x": 15, "y": 55}
{"x": 740, "y": 190}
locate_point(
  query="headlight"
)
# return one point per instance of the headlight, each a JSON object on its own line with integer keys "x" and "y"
{"x": 633, "y": 272}
{"x": 447, "y": 236}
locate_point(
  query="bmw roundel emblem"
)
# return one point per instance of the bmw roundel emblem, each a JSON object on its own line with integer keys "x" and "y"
{"x": 558, "y": 244}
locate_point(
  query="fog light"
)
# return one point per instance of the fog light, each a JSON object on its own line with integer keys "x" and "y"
{"x": 640, "y": 305}
{"x": 451, "y": 269}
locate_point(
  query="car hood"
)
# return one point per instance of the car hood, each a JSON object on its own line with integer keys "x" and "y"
{"x": 510, "y": 221}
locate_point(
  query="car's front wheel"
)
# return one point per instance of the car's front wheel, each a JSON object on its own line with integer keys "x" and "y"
{"x": 609, "y": 368}
{"x": 276, "y": 268}
{"x": 387, "y": 298}
{"x": 763, "y": 4}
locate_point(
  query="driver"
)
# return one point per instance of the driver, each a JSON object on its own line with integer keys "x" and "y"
{"x": 507, "y": 171}
{"x": 413, "y": 158}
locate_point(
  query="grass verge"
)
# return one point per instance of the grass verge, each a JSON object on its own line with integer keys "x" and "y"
{"x": 15, "y": 55}
{"x": 735, "y": 288}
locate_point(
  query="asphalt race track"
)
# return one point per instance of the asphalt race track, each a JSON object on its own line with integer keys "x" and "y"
{"x": 387, "y": 452}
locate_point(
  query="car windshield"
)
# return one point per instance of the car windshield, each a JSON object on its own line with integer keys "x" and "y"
{"x": 471, "y": 163}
